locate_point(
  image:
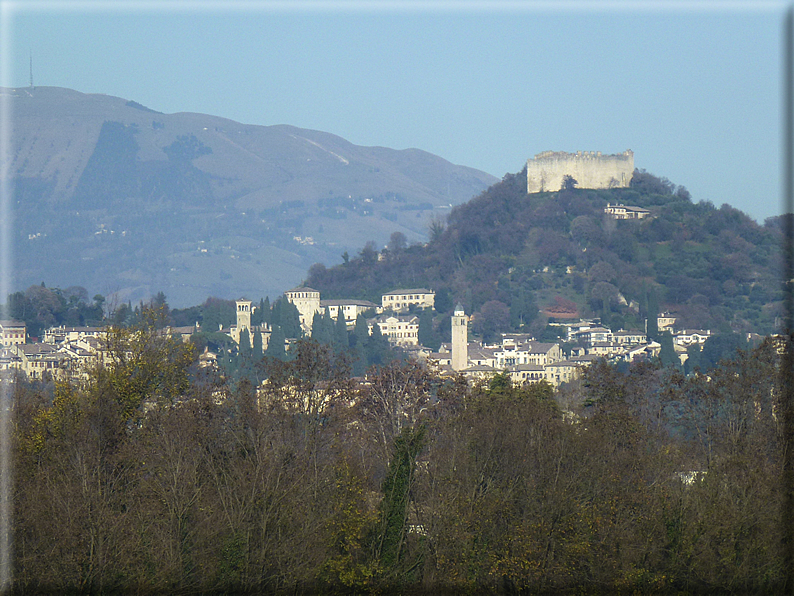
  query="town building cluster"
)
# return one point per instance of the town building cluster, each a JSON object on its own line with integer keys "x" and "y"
{"x": 69, "y": 352}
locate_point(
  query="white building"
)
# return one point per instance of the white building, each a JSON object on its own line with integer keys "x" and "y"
{"x": 350, "y": 309}
{"x": 307, "y": 301}
{"x": 687, "y": 337}
{"x": 626, "y": 212}
{"x": 12, "y": 333}
{"x": 402, "y": 299}
{"x": 399, "y": 330}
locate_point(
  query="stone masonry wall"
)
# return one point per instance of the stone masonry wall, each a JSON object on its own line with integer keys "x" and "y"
{"x": 589, "y": 168}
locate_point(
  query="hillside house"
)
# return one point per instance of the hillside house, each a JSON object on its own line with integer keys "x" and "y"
{"x": 9, "y": 361}
{"x": 626, "y": 212}
{"x": 687, "y": 337}
{"x": 527, "y": 374}
{"x": 399, "y": 330}
{"x": 401, "y": 300}
{"x": 350, "y": 309}
{"x": 629, "y": 338}
{"x": 594, "y": 335}
{"x": 665, "y": 321}
{"x": 40, "y": 360}
{"x": 563, "y": 371}
{"x": 12, "y": 333}
{"x": 56, "y": 335}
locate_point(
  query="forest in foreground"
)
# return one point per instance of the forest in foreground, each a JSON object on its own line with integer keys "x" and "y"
{"x": 155, "y": 476}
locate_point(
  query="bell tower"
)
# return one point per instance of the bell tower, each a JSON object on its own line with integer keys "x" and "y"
{"x": 460, "y": 339}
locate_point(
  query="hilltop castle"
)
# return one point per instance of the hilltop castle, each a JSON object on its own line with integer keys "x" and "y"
{"x": 590, "y": 169}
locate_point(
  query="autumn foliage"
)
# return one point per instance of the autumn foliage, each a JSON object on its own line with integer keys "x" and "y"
{"x": 174, "y": 482}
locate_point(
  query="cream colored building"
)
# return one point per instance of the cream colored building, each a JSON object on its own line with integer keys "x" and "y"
{"x": 687, "y": 337}
{"x": 527, "y": 374}
{"x": 402, "y": 299}
{"x": 307, "y": 301}
{"x": 41, "y": 359}
{"x": 564, "y": 371}
{"x": 665, "y": 321}
{"x": 12, "y": 333}
{"x": 350, "y": 309}
{"x": 625, "y": 212}
{"x": 629, "y": 338}
{"x": 56, "y": 335}
{"x": 9, "y": 360}
{"x": 399, "y": 330}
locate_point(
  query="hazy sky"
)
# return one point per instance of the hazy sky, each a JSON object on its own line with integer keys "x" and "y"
{"x": 694, "y": 89}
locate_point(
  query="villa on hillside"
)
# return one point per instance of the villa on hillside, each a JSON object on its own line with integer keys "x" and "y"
{"x": 399, "y": 330}
{"x": 626, "y": 212}
{"x": 350, "y": 309}
{"x": 12, "y": 333}
{"x": 399, "y": 300}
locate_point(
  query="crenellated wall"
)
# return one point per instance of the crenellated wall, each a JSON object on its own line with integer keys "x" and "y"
{"x": 590, "y": 169}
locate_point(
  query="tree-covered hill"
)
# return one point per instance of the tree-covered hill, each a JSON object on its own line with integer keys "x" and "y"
{"x": 515, "y": 259}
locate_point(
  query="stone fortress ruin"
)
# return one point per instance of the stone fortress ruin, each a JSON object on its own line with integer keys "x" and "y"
{"x": 590, "y": 169}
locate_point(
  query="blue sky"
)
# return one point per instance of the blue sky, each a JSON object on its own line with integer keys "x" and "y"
{"x": 694, "y": 89}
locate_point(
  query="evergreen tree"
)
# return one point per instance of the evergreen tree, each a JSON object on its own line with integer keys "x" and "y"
{"x": 358, "y": 345}
{"x": 427, "y": 335}
{"x": 265, "y": 307}
{"x": 693, "y": 358}
{"x": 244, "y": 348}
{"x": 257, "y": 352}
{"x": 377, "y": 347}
{"x": 443, "y": 301}
{"x": 722, "y": 346}
{"x": 667, "y": 354}
{"x": 257, "y": 315}
{"x": 360, "y": 332}
{"x": 341, "y": 341}
{"x": 286, "y": 315}
{"x": 320, "y": 331}
{"x": 275, "y": 347}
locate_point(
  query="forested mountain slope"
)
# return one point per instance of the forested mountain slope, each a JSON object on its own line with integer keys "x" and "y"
{"x": 514, "y": 260}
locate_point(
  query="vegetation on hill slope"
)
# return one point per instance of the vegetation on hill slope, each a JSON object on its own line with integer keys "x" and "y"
{"x": 510, "y": 258}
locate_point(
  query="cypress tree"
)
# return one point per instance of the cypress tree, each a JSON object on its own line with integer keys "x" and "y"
{"x": 244, "y": 348}
{"x": 427, "y": 336}
{"x": 341, "y": 341}
{"x": 257, "y": 349}
{"x": 320, "y": 331}
{"x": 667, "y": 354}
{"x": 275, "y": 347}
{"x": 377, "y": 347}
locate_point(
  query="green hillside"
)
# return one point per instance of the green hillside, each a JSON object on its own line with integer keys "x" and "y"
{"x": 515, "y": 260}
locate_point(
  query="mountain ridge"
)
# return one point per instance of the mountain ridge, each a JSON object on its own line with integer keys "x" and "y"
{"x": 99, "y": 165}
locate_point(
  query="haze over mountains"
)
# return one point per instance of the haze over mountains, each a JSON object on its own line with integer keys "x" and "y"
{"x": 119, "y": 198}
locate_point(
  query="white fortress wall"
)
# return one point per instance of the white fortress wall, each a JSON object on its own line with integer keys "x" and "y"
{"x": 590, "y": 169}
